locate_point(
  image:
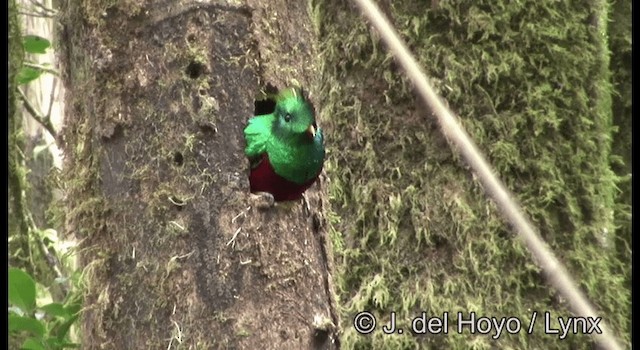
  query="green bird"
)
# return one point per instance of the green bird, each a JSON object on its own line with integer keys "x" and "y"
{"x": 285, "y": 148}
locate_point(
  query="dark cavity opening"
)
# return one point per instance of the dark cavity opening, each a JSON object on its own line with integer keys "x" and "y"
{"x": 178, "y": 158}
{"x": 320, "y": 337}
{"x": 195, "y": 69}
{"x": 207, "y": 128}
{"x": 316, "y": 223}
{"x": 266, "y": 105}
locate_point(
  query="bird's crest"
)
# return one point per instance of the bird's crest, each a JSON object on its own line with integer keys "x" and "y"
{"x": 291, "y": 92}
{"x": 271, "y": 92}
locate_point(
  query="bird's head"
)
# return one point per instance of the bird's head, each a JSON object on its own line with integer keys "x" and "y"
{"x": 294, "y": 113}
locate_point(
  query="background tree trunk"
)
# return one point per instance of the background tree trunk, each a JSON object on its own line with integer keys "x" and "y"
{"x": 175, "y": 255}
{"x": 416, "y": 233}
{"x": 157, "y": 188}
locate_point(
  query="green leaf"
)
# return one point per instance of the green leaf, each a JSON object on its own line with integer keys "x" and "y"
{"x": 74, "y": 304}
{"x": 62, "y": 330}
{"x": 54, "y": 343}
{"x": 35, "y": 44}
{"x": 32, "y": 344}
{"x": 19, "y": 323}
{"x": 27, "y": 74}
{"x": 56, "y": 309}
{"x": 22, "y": 290}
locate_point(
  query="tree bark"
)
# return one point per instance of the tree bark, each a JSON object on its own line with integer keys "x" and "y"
{"x": 175, "y": 255}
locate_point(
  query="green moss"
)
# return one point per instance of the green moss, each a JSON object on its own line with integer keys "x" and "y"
{"x": 27, "y": 201}
{"x": 620, "y": 46}
{"x": 412, "y": 228}
{"x": 19, "y": 247}
{"x": 96, "y": 12}
{"x": 243, "y": 333}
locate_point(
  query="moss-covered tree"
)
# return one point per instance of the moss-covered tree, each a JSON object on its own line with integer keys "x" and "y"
{"x": 412, "y": 227}
{"x": 174, "y": 254}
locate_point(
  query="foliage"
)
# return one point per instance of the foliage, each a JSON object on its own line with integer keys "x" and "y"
{"x": 413, "y": 227}
{"x": 620, "y": 38}
{"x": 35, "y": 45}
{"x": 36, "y": 320}
{"x": 43, "y": 327}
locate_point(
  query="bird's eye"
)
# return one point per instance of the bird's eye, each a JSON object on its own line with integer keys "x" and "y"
{"x": 287, "y": 117}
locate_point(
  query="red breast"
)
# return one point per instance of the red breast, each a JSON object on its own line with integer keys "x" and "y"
{"x": 264, "y": 179}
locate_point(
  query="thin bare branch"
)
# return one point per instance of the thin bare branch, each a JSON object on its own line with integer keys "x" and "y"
{"x": 45, "y": 122}
{"x": 42, "y": 68}
{"x": 54, "y": 84}
{"x": 52, "y": 260}
{"x": 42, "y": 7}
{"x": 36, "y": 14}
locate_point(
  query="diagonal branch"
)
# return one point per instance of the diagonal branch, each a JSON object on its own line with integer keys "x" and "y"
{"x": 42, "y": 68}
{"x": 44, "y": 121}
{"x": 54, "y": 84}
{"x": 42, "y": 7}
{"x": 36, "y": 14}
{"x": 51, "y": 258}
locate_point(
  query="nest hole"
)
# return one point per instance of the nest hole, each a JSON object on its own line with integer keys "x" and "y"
{"x": 266, "y": 105}
{"x": 178, "y": 158}
{"x": 195, "y": 69}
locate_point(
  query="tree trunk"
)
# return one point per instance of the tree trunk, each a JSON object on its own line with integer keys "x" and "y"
{"x": 175, "y": 254}
{"x": 416, "y": 233}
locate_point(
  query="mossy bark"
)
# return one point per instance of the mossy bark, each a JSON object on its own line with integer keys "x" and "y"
{"x": 175, "y": 256}
{"x": 18, "y": 227}
{"x": 620, "y": 46}
{"x": 412, "y": 226}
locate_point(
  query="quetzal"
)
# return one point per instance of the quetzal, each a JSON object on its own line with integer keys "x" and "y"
{"x": 285, "y": 148}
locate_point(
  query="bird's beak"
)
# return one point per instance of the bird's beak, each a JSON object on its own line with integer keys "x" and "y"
{"x": 312, "y": 130}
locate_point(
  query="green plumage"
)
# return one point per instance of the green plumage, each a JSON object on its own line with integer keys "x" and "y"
{"x": 289, "y": 137}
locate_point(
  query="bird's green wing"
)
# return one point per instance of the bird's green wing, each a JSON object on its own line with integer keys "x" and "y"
{"x": 257, "y": 134}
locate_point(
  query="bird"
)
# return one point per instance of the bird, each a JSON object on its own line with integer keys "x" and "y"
{"x": 285, "y": 148}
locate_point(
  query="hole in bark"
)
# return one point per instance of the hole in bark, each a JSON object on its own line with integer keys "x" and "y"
{"x": 195, "y": 69}
{"x": 264, "y": 106}
{"x": 191, "y": 38}
{"x": 439, "y": 242}
{"x": 178, "y": 158}
{"x": 267, "y": 105}
{"x": 316, "y": 223}
{"x": 208, "y": 128}
{"x": 320, "y": 337}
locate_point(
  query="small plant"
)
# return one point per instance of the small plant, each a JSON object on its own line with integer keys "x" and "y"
{"x": 45, "y": 303}
{"x": 31, "y": 71}
{"x": 41, "y": 327}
